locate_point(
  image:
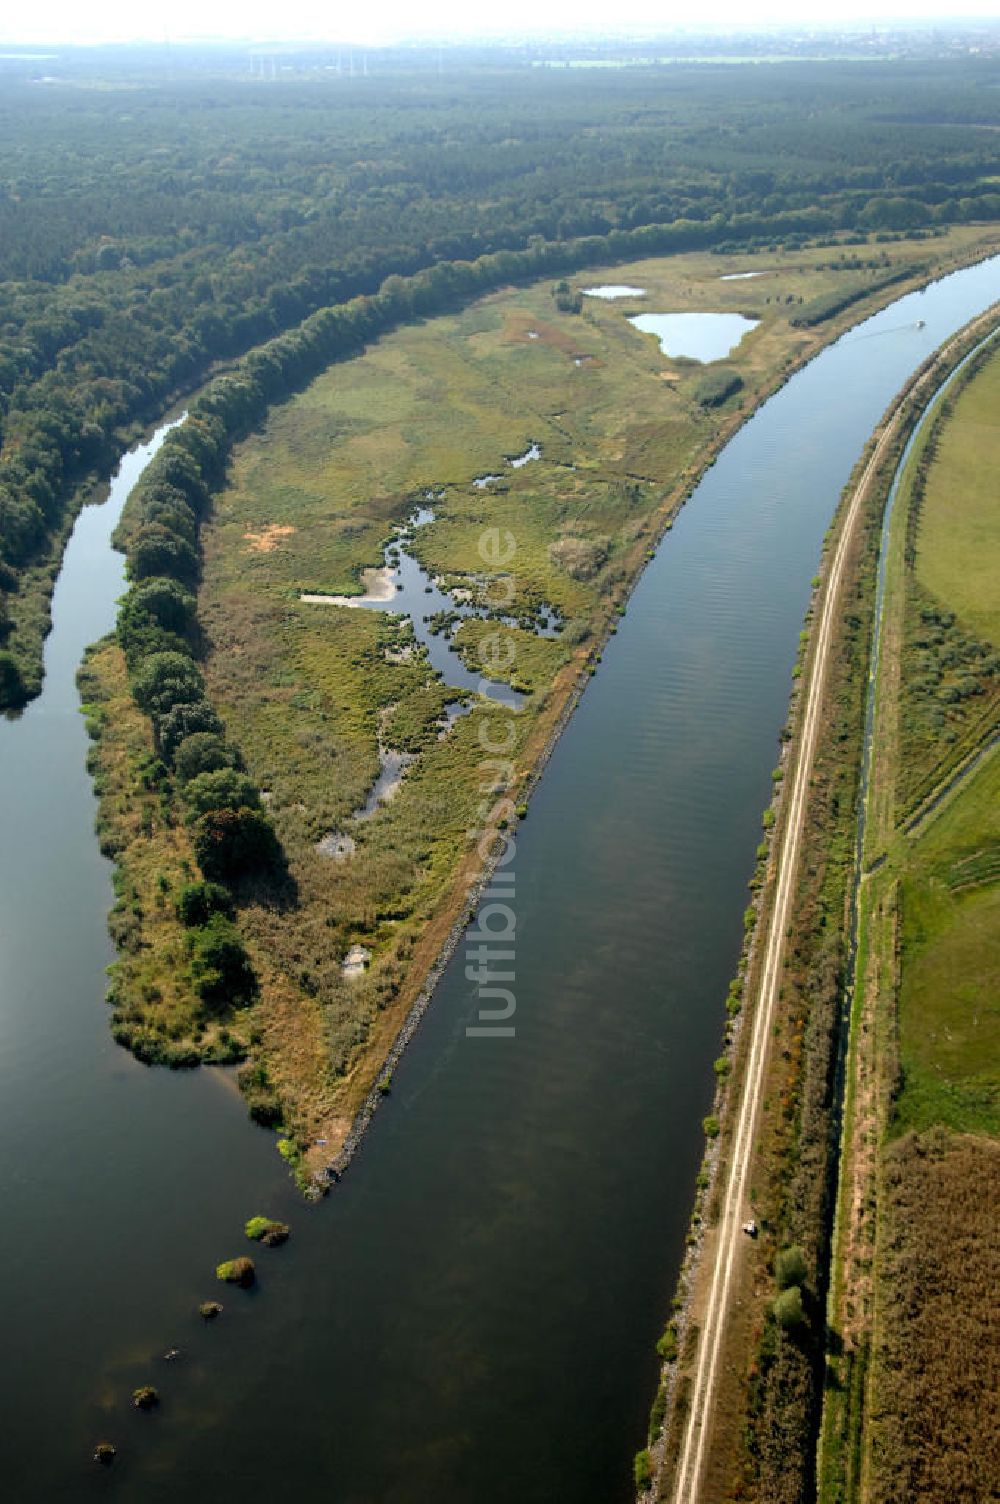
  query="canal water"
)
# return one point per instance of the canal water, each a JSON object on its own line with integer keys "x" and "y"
{"x": 470, "y": 1315}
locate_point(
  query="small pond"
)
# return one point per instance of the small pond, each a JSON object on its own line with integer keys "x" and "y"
{"x": 611, "y": 290}
{"x": 699, "y": 336}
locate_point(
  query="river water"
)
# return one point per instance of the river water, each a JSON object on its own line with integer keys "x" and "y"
{"x": 470, "y": 1315}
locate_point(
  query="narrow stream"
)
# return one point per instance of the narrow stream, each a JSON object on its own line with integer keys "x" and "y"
{"x": 470, "y": 1315}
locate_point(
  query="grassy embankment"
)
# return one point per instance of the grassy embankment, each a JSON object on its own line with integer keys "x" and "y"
{"x": 302, "y": 688}
{"x": 766, "y": 1407}
{"x": 912, "y": 1309}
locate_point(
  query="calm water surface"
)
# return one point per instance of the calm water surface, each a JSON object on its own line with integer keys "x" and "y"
{"x": 699, "y": 336}
{"x": 470, "y": 1316}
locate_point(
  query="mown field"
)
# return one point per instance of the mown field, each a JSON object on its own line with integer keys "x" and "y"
{"x": 915, "y": 1342}
{"x": 306, "y": 691}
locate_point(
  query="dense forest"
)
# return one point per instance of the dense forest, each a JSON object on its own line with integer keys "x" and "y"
{"x": 155, "y": 222}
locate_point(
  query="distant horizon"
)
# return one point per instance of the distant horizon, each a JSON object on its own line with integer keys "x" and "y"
{"x": 444, "y": 25}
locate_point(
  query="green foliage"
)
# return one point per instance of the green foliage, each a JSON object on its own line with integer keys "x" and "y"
{"x": 203, "y": 753}
{"x": 12, "y": 688}
{"x": 642, "y": 1471}
{"x": 183, "y": 721}
{"x": 788, "y": 1310}
{"x": 666, "y": 1347}
{"x": 235, "y": 844}
{"x": 223, "y": 788}
{"x": 199, "y": 901}
{"x": 790, "y": 1268}
{"x": 156, "y": 551}
{"x": 165, "y": 680}
{"x": 238, "y": 1271}
{"x": 717, "y": 386}
{"x": 710, "y": 1126}
{"x": 164, "y": 601}
{"x": 117, "y": 295}
{"x": 220, "y": 966}
{"x": 262, "y": 1100}
{"x": 265, "y": 1230}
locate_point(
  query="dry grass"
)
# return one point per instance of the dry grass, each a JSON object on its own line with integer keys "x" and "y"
{"x": 935, "y": 1425}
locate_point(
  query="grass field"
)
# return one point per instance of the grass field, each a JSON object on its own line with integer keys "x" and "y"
{"x": 307, "y": 691}
{"x": 949, "y": 689}
{"x": 917, "y": 1256}
{"x": 959, "y": 530}
{"x": 949, "y": 1002}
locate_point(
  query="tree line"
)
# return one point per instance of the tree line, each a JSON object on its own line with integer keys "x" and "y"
{"x": 147, "y": 233}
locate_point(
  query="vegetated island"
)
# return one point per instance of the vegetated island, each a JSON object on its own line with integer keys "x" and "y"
{"x": 265, "y": 913}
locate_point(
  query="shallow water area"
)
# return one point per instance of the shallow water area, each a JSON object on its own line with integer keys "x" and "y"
{"x": 611, "y": 290}
{"x": 404, "y": 588}
{"x": 698, "y": 336}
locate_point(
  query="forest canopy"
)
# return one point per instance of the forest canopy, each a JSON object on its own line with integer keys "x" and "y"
{"x": 155, "y": 225}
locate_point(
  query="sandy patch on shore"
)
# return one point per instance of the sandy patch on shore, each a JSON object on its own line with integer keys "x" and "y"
{"x": 379, "y": 588}
{"x": 268, "y": 538}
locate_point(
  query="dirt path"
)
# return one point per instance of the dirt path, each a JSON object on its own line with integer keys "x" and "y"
{"x": 735, "y": 1209}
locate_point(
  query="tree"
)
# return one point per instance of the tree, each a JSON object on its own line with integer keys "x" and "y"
{"x": 790, "y": 1268}
{"x": 220, "y": 966}
{"x": 11, "y": 683}
{"x": 156, "y": 551}
{"x": 231, "y": 844}
{"x": 164, "y": 600}
{"x": 224, "y": 788}
{"x": 185, "y": 720}
{"x": 788, "y": 1312}
{"x": 199, "y": 901}
{"x": 202, "y": 752}
{"x": 165, "y": 680}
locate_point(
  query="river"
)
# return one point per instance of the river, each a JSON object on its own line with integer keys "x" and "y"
{"x": 470, "y": 1315}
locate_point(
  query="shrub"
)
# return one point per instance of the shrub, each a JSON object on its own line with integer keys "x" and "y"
{"x": 710, "y": 1126}
{"x": 164, "y": 600}
{"x": 156, "y": 551}
{"x": 12, "y": 690}
{"x": 667, "y": 1345}
{"x": 202, "y": 752}
{"x": 265, "y": 1230}
{"x": 788, "y": 1312}
{"x": 183, "y": 721}
{"x": 239, "y": 1271}
{"x": 642, "y": 1471}
{"x": 199, "y": 901}
{"x": 717, "y": 386}
{"x": 223, "y": 788}
{"x": 790, "y": 1268}
{"x": 230, "y": 844}
{"x": 165, "y": 680}
{"x": 262, "y": 1100}
{"x": 220, "y": 966}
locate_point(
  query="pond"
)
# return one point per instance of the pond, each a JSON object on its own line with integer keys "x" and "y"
{"x": 610, "y": 290}
{"x": 699, "y": 336}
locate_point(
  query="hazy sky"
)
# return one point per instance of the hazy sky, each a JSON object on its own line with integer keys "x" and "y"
{"x": 385, "y": 20}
